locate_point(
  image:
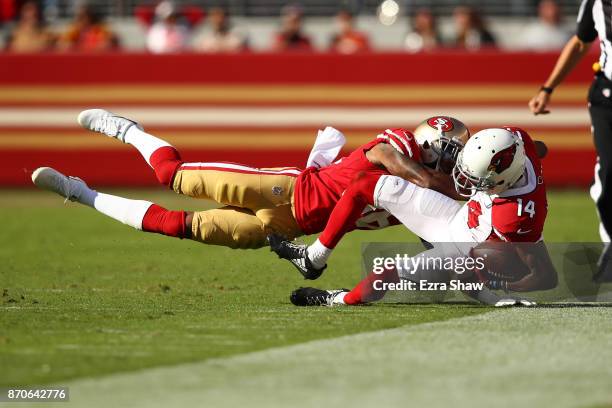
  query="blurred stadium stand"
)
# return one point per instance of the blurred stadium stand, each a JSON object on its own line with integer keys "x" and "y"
{"x": 267, "y": 8}
{"x": 259, "y": 20}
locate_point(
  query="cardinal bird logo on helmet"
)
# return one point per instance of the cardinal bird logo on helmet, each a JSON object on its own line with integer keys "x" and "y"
{"x": 442, "y": 123}
{"x": 502, "y": 159}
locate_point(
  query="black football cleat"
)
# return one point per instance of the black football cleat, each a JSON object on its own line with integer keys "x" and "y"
{"x": 296, "y": 254}
{"x": 314, "y": 296}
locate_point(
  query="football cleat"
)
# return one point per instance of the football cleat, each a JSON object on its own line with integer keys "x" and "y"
{"x": 295, "y": 253}
{"x": 50, "y": 179}
{"x": 107, "y": 123}
{"x": 315, "y": 297}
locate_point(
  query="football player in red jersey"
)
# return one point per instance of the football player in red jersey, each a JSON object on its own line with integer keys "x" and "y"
{"x": 440, "y": 139}
{"x": 499, "y": 170}
{"x": 256, "y": 202}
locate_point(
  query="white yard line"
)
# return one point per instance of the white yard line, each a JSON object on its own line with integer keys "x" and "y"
{"x": 517, "y": 357}
{"x": 300, "y": 116}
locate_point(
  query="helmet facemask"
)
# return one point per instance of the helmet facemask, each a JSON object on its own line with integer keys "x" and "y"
{"x": 467, "y": 185}
{"x": 447, "y": 151}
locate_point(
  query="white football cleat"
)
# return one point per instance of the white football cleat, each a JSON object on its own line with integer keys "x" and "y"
{"x": 71, "y": 188}
{"x": 107, "y": 123}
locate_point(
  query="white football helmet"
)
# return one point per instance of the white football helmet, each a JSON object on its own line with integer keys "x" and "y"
{"x": 492, "y": 161}
{"x": 440, "y": 139}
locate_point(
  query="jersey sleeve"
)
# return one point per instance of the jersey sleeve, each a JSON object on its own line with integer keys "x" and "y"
{"x": 585, "y": 30}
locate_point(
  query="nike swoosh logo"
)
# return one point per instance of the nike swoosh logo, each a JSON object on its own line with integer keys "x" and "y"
{"x": 519, "y": 231}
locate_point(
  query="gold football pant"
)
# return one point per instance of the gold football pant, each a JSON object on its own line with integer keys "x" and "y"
{"x": 256, "y": 202}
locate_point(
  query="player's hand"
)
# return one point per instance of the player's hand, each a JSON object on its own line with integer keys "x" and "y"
{"x": 538, "y": 103}
{"x": 509, "y": 302}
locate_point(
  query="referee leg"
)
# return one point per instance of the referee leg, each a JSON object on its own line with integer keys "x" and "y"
{"x": 600, "y": 108}
{"x": 601, "y": 191}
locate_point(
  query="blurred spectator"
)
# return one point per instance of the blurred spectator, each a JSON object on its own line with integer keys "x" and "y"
{"x": 222, "y": 38}
{"x": 547, "y": 33}
{"x": 424, "y": 35}
{"x": 167, "y": 34}
{"x": 30, "y": 34}
{"x": 88, "y": 33}
{"x": 471, "y": 33}
{"x": 348, "y": 40}
{"x": 290, "y": 38}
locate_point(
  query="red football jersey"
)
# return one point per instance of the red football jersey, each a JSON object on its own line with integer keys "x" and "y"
{"x": 518, "y": 214}
{"x": 318, "y": 190}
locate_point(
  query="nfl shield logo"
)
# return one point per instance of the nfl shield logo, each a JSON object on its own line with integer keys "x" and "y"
{"x": 277, "y": 190}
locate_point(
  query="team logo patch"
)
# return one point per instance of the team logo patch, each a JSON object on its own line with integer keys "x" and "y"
{"x": 442, "y": 123}
{"x": 502, "y": 159}
{"x": 277, "y": 190}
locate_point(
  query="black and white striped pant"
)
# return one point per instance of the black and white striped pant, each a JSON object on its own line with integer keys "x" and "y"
{"x": 600, "y": 108}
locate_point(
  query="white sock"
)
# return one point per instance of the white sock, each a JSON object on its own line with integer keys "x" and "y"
{"x": 129, "y": 212}
{"x": 144, "y": 142}
{"x": 318, "y": 254}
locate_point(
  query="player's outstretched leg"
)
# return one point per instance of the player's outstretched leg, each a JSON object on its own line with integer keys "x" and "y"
{"x": 139, "y": 214}
{"x": 159, "y": 154}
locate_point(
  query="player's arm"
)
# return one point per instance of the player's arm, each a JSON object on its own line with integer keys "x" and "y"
{"x": 542, "y": 274}
{"x": 520, "y": 226}
{"x": 399, "y": 165}
{"x": 347, "y": 211}
{"x": 574, "y": 51}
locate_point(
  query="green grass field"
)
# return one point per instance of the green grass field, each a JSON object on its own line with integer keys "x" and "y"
{"x": 127, "y": 318}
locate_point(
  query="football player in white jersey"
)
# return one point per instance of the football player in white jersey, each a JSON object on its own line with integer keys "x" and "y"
{"x": 499, "y": 171}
